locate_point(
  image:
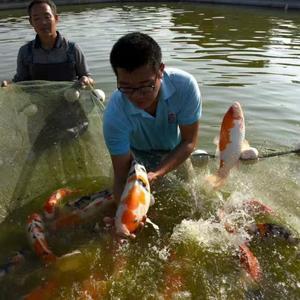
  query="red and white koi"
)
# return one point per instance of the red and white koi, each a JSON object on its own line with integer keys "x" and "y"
{"x": 135, "y": 201}
{"x": 54, "y": 200}
{"x": 82, "y": 209}
{"x": 231, "y": 143}
{"x": 36, "y": 235}
{"x": 247, "y": 259}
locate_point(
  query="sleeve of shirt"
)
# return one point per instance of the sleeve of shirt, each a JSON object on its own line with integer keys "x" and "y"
{"x": 116, "y": 129}
{"x": 22, "y": 66}
{"x": 191, "y": 108}
{"x": 81, "y": 64}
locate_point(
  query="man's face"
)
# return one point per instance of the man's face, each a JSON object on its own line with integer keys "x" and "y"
{"x": 141, "y": 86}
{"x": 43, "y": 20}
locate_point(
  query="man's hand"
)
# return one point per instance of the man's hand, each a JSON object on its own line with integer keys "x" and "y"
{"x": 86, "y": 81}
{"x": 5, "y": 83}
{"x": 152, "y": 176}
{"x": 110, "y": 225}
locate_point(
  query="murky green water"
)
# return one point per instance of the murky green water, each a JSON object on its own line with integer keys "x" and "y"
{"x": 235, "y": 53}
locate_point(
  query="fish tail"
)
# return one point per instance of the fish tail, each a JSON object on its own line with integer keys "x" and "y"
{"x": 54, "y": 200}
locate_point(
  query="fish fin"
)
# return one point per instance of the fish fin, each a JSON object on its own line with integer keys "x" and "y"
{"x": 249, "y": 153}
{"x": 153, "y": 225}
{"x": 216, "y": 142}
{"x": 245, "y": 145}
{"x": 152, "y": 200}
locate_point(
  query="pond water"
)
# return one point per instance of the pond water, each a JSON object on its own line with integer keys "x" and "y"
{"x": 244, "y": 54}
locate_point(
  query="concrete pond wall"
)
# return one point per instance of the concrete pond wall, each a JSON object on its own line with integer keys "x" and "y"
{"x": 282, "y": 4}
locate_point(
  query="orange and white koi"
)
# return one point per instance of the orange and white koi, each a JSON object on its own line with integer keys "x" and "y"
{"x": 231, "y": 143}
{"x": 135, "y": 201}
{"x": 82, "y": 209}
{"x": 36, "y": 235}
{"x": 53, "y": 201}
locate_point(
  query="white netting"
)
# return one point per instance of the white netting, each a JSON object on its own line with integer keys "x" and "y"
{"x": 48, "y": 139}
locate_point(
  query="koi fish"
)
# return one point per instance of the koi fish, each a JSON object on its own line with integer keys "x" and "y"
{"x": 247, "y": 258}
{"x": 135, "y": 202}
{"x": 174, "y": 281}
{"x": 250, "y": 262}
{"x": 265, "y": 230}
{"x": 231, "y": 143}
{"x": 13, "y": 262}
{"x": 54, "y": 200}
{"x": 45, "y": 291}
{"x": 36, "y": 235}
{"x": 93, "y": 288}
{"x": 83, "y": 209}
{"x": 255, "y": 206}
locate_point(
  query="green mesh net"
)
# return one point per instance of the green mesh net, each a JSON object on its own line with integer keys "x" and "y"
{"x": 51, "y": 136}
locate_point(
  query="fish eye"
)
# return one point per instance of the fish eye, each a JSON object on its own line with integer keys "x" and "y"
{"x": 142, "y": 182}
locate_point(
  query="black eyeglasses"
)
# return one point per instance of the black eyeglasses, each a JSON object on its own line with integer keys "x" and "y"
{"x": 143, "y": 90}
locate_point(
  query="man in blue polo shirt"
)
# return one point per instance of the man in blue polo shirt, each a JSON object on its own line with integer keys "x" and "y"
{"x": 49, "y": 56}
{"x": 155, "y": 109}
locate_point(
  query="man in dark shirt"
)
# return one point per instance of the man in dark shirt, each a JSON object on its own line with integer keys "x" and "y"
{"x": 49, "y": 56}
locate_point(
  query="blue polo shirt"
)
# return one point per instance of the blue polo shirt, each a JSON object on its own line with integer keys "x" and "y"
{"x": 126, "y": 126}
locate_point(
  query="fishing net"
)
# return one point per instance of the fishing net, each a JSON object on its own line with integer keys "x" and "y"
{"x": 51, "y": 135}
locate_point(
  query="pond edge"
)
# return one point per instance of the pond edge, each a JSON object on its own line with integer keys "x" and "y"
{"x": 282, "y": 4}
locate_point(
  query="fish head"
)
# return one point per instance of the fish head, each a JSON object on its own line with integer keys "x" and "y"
{"x": 233, "y": 125}
{"x": 138, "y": 173}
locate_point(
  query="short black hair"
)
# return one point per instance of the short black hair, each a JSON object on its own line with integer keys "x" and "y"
{"x": 49, "y": 2}
{"x": 134, "y": 50}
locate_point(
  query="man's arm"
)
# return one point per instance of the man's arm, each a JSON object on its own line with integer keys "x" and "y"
{"x": 189, "y": 136}
{"x": 121, "y": 165}
{"x": 82, "y": 70}
{"x": 22, "y": 73}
